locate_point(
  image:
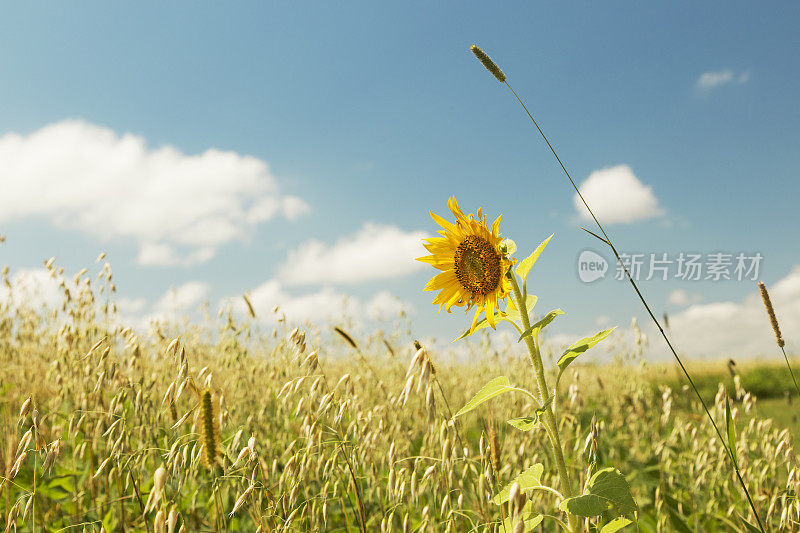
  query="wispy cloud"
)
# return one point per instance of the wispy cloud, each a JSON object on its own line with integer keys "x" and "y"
{"x": 716, "y": 78}
{"x": 41, "y": 290}
{"x": 178, "y": 208}
{"x": 323, "y": 306}
{"x": 179, "y": 301}
{"x": 34, "y": 288}
{"x": 737, "y": 327}
{"x": 681, "y": 298}
{"x": 373, "y": 252}
{"x": 617, "y": 196}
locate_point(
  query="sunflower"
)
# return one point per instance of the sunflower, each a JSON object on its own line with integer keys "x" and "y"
{"x": 473, "y": 265}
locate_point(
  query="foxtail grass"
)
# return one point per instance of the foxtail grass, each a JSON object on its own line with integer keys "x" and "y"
{"x": 773, "y": 320}
{"x": 210, "y": 432}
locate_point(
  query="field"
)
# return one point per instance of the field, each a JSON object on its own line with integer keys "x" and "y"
{"x": 238, "y": 428}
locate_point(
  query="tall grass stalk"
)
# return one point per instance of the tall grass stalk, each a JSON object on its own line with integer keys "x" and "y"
{"x": 501, "y": 77}
{"x": 776, "y": 329}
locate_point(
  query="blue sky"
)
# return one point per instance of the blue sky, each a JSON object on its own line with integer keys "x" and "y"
{"x": 351, "y": 120}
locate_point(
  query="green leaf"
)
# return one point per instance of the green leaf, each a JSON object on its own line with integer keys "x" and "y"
{"x": 581, "y": 346}
{"x": 513, "y": 313}
{"x": 547, "y": 403}
{"x": 586, "y": 505}
{"x": 615, "y": 525}
{"x": 527, "y": 480}
{"x": 108, "y": 520}
{"x": 484, "y": 322}
{"x": 524, "y": 267}
{"x": 611, "y": 485}
{"x": 750, "y": 528}
{"x": 527, "y": 423}
{"x": 677, "y": 521}
{"x": 731, "y": 431}
{"x": 540, "y": 325}
{"x": 490, "y": 390}
{"x": 57, "y": 487}
{"x": 524, "y": 423}
{"x": 528, "y": 518}
{"x": 606, "y": 489}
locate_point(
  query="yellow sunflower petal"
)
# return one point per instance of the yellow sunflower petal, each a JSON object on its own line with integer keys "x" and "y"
{"x": 455, "y": 299}
{"x": 440, "y": 280}
{"x": 443, "y": 222}
{"x": 436, "y": 262}
{"x": 496, "y": 226}
{"x": 452, "y": 203}
{"x": 489, "y": 310}
{"x": 474, "y": 321}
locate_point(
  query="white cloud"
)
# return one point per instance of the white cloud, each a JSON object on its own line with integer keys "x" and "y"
{"x": 324, "y": 306}
{"x": 165, "y": 254}
{"x": 33, "y": 288}
{"x": 602, "y": 320}
{"x": 176, "y": 304}
{"x": 179, "y": 208}
{"x": 716, "y": 78}
{"x": 616, "y": 195}
{"x": 42, "y": 289}
{"x": 39, "y": 290}
{"x": 183, "y": 298}
{"x": 131, "y": 306}
{"x": 385, "y": 306}
{"x": 374, "y": 252}
{"x": 681, "y": 298}
{"x": 738, "y": 328}
{"x": 743, "y": 77}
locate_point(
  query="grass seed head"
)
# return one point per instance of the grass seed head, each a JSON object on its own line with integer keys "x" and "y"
{"x": 25, "y": 409}
{"x": 53, "y": 453}
{"x": 11, "y": 519}
{"x": 159, "y": 478}
{"x": 242, "y": 454}
{"x": 773, "y": 320}
{"x": 17, "y": 465}
{"x": 241, "y": 500}
{"x": 172, "y": 520}
{"x": 346, "y": 337}
{"x": 25, "y": 441}
{"x": 160, "y": 522}
{"x": 487, "y": 62}
{"x": 210, "y": 433}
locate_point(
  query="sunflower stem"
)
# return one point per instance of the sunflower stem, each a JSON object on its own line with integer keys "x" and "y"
{"x": 550, "y": 422}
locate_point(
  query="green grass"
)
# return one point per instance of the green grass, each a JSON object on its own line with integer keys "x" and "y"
{"x": 765, "y": 380}
{"x": 785, "y": 415}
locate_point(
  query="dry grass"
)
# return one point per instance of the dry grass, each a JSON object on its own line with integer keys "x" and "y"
{"x": 107, "y": 428}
